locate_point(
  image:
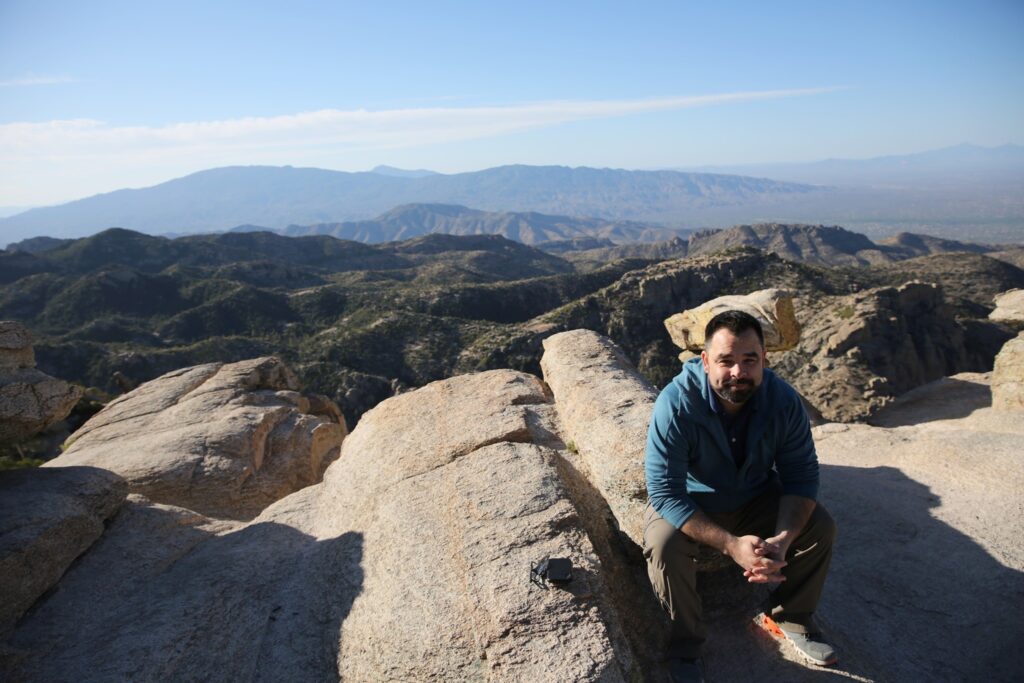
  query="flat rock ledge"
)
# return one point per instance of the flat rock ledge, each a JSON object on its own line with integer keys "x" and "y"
{"x": 224, "y": 440}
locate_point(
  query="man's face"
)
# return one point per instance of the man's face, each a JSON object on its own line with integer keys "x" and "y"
{"x": 734, "y": 364}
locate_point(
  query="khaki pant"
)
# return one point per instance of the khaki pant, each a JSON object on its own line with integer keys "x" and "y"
{"x": 672, "y": 557}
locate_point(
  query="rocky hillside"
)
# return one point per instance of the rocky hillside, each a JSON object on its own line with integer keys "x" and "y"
{"x": 415, "y": 220}
{"x": 362, "y": 322}
{"x": 920, "y": 324}
{"x": 814, "y": 244}
{"x": 499, "y": 470}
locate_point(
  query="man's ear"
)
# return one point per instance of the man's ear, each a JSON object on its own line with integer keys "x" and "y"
{"x": 704, "y": 360}
{"x": 764, "y": 355}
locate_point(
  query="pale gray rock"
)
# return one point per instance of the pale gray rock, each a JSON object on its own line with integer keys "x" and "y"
{"x": 31, "y": 401}
{"x": 604, "y": 406}
{"x": 409, "y": 561}
{"x": 15, "y": 346}
{"x": 48, "y": 517}
{"x": 1009, "y": 308}
{"x": 1008, "y": 376}
{"x": 454, "y": 501}
{"x": 223, "y": 440}
{"x": 773, "y": 308}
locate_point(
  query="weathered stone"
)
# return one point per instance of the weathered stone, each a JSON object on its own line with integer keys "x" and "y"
{"x": 773, "y": 308}
{"x": 223, "y": 440}
{"x": 15, "y": 346}
{"x": 31, "y": 401}
{"x": 1008, "y": 376}
{"x": 1009, "y": 308}
{"x": 48, "y": 517}
{"x": 455, "y": 503}
{"x": 857, "y": 353}
{"x": 604, "y": 406}
{"x": 410, "y": 561}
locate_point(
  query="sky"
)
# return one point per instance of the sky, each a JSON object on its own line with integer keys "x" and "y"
{"x": 98, "y": 96}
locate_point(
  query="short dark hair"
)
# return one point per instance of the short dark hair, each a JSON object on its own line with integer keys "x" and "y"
{"x": 736, "y": 322}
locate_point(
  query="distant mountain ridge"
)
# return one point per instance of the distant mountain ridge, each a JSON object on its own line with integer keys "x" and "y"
{"x": 970, "y": 163}
{"x": 414, "y": 220}
{"x": 814, "y": 244}
{"x": 276, "y": 197}
{"x": 402, "y": 172}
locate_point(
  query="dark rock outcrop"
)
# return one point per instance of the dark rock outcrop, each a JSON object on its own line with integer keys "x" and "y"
{"x": 861, "y": 351}
{"x": 30, "y": 400}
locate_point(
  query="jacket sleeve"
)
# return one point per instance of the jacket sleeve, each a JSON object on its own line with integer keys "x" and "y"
{"x": 666, "y": 463}
{"x": 796, "y": 461}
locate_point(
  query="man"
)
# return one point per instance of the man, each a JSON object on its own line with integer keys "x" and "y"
{"x": 730, "y": 464}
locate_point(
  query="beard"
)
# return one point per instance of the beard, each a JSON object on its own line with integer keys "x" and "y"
{"x": 738, "y": 391}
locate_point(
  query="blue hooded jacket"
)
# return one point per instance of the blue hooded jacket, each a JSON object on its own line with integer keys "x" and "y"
{"x": 688, "y": 463}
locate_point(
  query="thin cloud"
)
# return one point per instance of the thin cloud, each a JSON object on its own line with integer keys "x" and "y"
{"x": 388, "y": 128}
{"x": 36, "y": 80}
{"x": 90, "y": 155}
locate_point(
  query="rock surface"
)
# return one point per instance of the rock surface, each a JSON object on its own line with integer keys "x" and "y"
{"x": 859, "y": 352}
{"x": 773, "y": 308}
{"x": 455, "y": 495}
{"x": 222, "y": 440}
{"x": 408, "y": 562}
{"x": 15, "y": 346}
{"x": 30, "y": 400}
{"x": 1009, "y": 308}
{"x": 930, "y": 521}
{"x": 604, "y": 406}
{"x": 48, "y": 517}
{"x": 1008, "y": 376}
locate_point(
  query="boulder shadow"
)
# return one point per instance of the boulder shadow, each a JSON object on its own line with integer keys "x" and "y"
{"x": 265, "y": 602}
{"x": 910, "y": 597}
{"x": 944, "y": 399}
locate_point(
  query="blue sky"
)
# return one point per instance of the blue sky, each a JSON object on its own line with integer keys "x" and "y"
{"x": 103, "y": 95}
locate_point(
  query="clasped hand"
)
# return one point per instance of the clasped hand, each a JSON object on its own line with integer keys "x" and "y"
{"x": 762, "y": 560}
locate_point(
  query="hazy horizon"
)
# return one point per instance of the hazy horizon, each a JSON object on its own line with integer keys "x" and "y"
{"x": 95, "y": 98}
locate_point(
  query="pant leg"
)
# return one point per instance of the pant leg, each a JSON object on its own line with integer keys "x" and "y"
{"x": 672, "y": 568}
{"x": 793, "y": 601}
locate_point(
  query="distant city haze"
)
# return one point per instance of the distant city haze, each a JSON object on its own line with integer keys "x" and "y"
{"x": 99, "y": 97}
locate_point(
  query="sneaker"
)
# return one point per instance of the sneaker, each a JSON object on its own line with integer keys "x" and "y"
{"x": 812, "y": 646}
{"x": 685, "y": 670}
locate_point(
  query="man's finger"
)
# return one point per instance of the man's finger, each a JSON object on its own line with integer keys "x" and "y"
{"x": 770, "y": 578}
{"x": 768, "y": 564}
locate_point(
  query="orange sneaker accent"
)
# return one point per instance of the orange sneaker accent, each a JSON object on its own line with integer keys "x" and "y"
{"x": 768, "y": 624}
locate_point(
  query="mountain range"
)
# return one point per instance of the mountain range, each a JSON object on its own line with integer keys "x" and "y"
{"x": 414, "y": 220}
{"x": 963, "y": 193}
{"x": 949, "y": 167}
{"x": 220, "y": 199}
